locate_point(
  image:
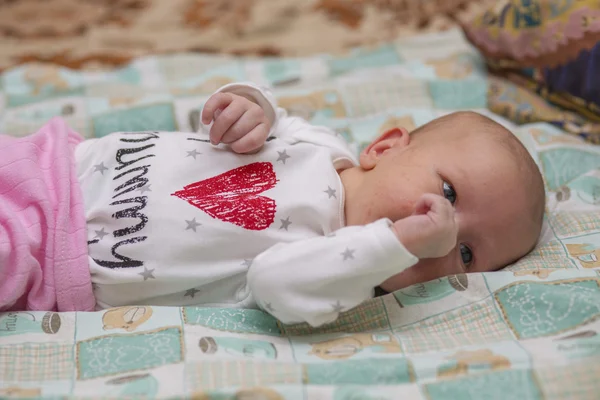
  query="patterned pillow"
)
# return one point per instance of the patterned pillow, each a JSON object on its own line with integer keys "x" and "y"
{"x": 552, "y": 48}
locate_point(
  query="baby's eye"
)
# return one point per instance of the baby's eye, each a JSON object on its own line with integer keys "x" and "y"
{"x": 449, "y": 192}
{"x": 466, "y": 254}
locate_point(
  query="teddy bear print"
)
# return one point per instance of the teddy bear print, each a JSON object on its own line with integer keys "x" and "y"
{"x": 128, "y": 318}
{"x": 588, "y": 255}
{"x": 466, "y": 361}
{"x": 346, "y": 347}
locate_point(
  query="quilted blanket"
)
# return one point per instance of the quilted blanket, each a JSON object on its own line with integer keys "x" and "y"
{"x": 528, "y": 332}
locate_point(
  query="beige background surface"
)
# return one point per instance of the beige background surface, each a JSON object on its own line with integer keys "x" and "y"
{"x": 106, "y": 33}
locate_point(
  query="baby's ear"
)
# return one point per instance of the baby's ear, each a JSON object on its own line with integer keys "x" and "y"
{"x": 391, "y": 138}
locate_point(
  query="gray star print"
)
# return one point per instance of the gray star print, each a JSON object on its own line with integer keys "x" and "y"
{"x": 247, "y": 262}
{"x": 100, "y": 168}
{"x": 337, "y": 307}
{"x": 191, "y": 292}
{"x": 285, "y": 223}
{"x": 193, "y": 153}
{"x": 283, "y": 156}
{"x": 269, "y": 307}
{"x": 147, "y": 274}
{"x": 348, "y": 254}
{"x": 192, "y": 224}
{"x": 330, "y": 192}
{"x": 100, "y": 234}
{"x": 144, "y": 189}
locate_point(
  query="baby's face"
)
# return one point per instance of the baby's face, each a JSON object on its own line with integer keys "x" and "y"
{"x": 474, "y": 172}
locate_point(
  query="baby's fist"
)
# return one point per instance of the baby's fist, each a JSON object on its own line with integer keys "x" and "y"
{"x": 238, "y": 122}
{"x": 430, "y": 232}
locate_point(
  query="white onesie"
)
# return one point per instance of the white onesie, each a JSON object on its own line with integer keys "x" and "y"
{"x": 175, "y": 221}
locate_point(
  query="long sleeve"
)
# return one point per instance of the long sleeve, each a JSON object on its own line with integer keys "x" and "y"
{"x": 314, "y": 280}
{"x": 293, "y": 129}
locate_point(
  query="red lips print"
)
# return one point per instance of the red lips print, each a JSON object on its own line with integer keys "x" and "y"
{"x": 233, "y": 196}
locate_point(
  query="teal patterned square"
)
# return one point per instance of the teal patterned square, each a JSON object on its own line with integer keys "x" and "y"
{"x": 17, "y": 100}
{"x": 128, "y": 74}
{"x": 363, "y": 392}
{"x": 32, "y": 83}
{"x": 278, "y": 71}
{"x": 115, "y": 354}
{"x": 155, "y": 117}
{"x": 535, "y": 309}
{"x": 562, "y": 165}
{"x": 373, "y": 371}
{"x": 459, "y": 94}
{"x": 360, "y": 58}
{"x": 232, "y": 320}
{"x": 515, "y": 384}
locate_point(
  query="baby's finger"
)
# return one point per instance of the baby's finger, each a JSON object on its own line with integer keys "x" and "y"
{"x": 226, "y": 119}
{"x": 216, "y": 102}
{"x": 443, "y": 208}
{"x": 244, "y": 125}
{"x": 422, "y": 206}
{"x": 252, "y": 141}
{"x": 427, "y": 201}
{"x": 438, "y": 205}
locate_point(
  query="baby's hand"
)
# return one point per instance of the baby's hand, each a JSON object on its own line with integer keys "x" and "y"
{"x": 430, "y": 232}
{"x": 238, "y": 122}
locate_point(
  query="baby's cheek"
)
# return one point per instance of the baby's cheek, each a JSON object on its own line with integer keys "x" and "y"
{"x": 405, "y": 209}
{"x": 404, "y": 204}
{"x": 395, "y": 208}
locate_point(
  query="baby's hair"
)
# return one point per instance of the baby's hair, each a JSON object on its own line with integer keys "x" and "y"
{"x": 528, "y": 169}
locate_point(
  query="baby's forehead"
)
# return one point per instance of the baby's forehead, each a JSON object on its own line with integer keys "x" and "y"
{"x": 474, "y": 138}
{"x": 465, "y": 124}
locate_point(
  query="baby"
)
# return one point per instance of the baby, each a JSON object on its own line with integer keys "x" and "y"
{"x": 261, "y": 211}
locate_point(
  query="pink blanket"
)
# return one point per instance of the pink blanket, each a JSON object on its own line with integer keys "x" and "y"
{"x": 43, "y": 239}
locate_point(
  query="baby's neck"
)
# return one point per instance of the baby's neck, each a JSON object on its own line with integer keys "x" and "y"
{"x": 351, "y": 179}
